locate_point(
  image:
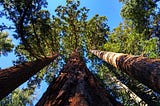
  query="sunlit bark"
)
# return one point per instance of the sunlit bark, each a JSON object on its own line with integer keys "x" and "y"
{"x": 145, "y": 70}
{"x": 76, "y": 86}
{"x": 11, "y": 78}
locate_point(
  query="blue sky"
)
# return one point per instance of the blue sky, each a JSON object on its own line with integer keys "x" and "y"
{"x": 108, "y": 8}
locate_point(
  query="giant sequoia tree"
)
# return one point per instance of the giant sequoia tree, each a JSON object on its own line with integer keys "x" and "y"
{"x": 13, "y": 77}
{"x": 144, "y": 69}
{"x": 76, "y": 86}
{"x": 69, "y": 30}
{"x": 40, "y": 36}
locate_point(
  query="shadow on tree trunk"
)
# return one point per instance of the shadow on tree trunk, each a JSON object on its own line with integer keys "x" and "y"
{"x": 76, "y": 86}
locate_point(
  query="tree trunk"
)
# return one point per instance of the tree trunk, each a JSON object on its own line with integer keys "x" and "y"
{"x": 145, "y": 70}
{"x": 11, "y": 78}
{"x": 130, "y": 93}
{"x": 76, "y": 86}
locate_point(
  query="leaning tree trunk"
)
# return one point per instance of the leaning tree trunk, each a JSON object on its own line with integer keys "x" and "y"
{"x": 11, "y": 78}
{"x": 145, "y": 70}
{"x": 126, "y": 90}
{"x": 76, "y": 86}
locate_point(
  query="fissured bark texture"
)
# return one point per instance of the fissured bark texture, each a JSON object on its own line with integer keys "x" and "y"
{"x": 76, "y": 86}
{"x": 145, "y": 70}
{"x": 11, "y": 78}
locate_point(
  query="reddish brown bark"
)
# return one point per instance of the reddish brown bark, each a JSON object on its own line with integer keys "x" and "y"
{"x": 76, "y": 86}
{"x": 145, "y": 70}
{"x": 13, "y": 77}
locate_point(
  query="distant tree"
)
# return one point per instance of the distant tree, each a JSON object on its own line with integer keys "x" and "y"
{"x": 141, "y": 13}
{"x": 126, "y": 40}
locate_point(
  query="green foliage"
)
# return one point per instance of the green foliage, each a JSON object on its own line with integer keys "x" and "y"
{"x": 42, "y": 35}
{"x": 143, "y": 16}
{"x": 96, "y": 31}
{"x": 150, "y": 48}
{"x": 18, "y": 98}
{"x": 21, "y": 13}
{"x": 23, "y": 10}
{"x": 102, "y": 70}
{"x": 139, "y": 12}
{"x": 126, "y": 40}
{"x": 5, "y": 43}
{"x": 77, "y": 31}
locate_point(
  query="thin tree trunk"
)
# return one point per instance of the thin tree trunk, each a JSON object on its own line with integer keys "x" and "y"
{"x": 76, "y": 86}
{"x": 145, "y": 70}
{"x": 11, "y": 78}
{"x": 130, "y": 93}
